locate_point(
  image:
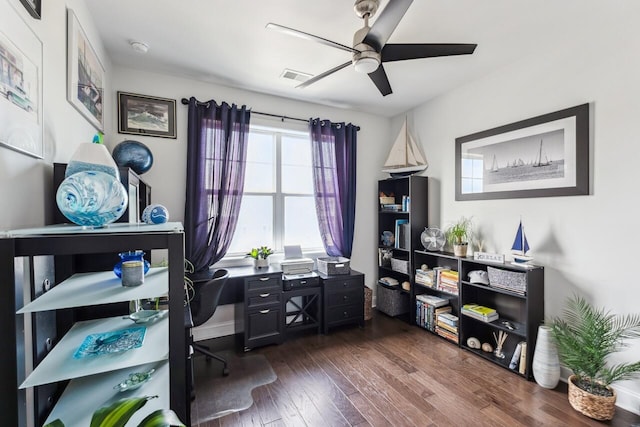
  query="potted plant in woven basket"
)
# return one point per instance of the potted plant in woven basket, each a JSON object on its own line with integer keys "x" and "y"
{"x": 458, "y": 235}
{"x": 585, "y": 336}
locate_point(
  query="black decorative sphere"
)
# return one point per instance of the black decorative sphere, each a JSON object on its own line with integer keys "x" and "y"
{"x": 133, "y": 154}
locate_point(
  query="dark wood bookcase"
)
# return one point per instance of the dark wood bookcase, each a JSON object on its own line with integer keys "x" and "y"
{"x": 519, "y": 315}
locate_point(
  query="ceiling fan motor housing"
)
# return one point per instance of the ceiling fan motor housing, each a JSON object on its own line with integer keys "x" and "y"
{"x": 366, "y": 8}
{"x": 367, "y": 60}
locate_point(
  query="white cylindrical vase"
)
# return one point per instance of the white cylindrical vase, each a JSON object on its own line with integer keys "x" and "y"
{"x": 546, "y": 364}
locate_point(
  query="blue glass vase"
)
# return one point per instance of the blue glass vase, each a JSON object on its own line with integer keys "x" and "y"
{"x": 133, "y": 154}
{"x": 130, "y": 256}
{"x": 91, "y": 198}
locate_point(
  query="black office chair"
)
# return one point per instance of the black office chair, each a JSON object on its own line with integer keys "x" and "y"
{"x": 204, "y": 303}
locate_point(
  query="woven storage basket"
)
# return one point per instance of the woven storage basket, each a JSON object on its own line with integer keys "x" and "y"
{"x": 400, "y": 265}
{"x": 392, "y": 302}
{"x": 505, "y": 279}
{"x": 596, "y": 407}
{"x": 368, "y": 302}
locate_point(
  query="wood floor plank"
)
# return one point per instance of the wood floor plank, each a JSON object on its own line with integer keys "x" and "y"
{"x": 394, "y": 374}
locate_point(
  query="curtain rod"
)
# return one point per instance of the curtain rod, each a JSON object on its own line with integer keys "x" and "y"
{"x": 185, "y": 101}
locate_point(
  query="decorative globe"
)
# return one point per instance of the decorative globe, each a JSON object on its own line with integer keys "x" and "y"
{"x": 133, "y": 154}
{"x": 155, "y": 214}
{"x": 91, "y": 198}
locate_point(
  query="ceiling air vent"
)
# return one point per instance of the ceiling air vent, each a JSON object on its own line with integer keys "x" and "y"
{"x": 295, "y": 75}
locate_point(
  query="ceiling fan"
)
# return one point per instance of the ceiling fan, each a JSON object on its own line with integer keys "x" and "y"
{"x": 370, "y": 48}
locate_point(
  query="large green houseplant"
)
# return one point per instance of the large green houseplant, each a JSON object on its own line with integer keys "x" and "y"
{"x": 458, "y": 235}
{"x": 585, "y": 337}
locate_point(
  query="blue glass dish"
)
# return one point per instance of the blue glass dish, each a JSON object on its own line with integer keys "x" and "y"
{"x": 130, "y": 256}
{"x": 111, "y": 342}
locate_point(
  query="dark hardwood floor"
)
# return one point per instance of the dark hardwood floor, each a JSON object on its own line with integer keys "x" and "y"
{"x": 393, "y": 374}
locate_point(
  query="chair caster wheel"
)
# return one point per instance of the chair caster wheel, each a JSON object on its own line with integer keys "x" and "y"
{"x": 225, "y": 372}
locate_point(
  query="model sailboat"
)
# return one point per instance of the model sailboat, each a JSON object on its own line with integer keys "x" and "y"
{"x": 520, "y": 247}
{"x": 405, "y": 157}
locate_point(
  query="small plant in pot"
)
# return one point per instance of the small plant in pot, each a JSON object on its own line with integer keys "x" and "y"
{"x": 458, "y": 235}
{"x": 585, "y": 337}
{"x": 260, "y": 256}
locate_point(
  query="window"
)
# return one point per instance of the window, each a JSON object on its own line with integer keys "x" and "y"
{"x": 472, "y": 174}
{"x": 277, "y": 205}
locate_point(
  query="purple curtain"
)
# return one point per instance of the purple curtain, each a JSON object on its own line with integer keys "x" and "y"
{"x": 334, "y": 180}
{"x": 216, "y": 158}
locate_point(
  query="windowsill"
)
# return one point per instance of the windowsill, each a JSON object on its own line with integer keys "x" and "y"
{"x": 275, "y": 259}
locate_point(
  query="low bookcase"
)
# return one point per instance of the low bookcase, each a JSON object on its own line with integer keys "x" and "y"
{"x": 520, "y": 312}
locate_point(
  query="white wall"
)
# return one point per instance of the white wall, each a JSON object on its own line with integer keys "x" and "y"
{"x": 168, "y": 175}
{"x": 576, "y": 238}
{"x": 25, "y": 182}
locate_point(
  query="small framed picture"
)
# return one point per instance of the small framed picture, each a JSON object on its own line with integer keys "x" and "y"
{"x": 146, "y": 115}
{"x": 34, "y": 7}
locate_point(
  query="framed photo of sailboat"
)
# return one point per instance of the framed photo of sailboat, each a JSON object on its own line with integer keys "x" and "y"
{"x": 542, "y": 156}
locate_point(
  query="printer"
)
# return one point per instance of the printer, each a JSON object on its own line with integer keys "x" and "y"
{"x": 294, "y": 262}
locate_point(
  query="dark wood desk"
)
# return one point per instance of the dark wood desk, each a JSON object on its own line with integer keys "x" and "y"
{"x": 260, "y": 303}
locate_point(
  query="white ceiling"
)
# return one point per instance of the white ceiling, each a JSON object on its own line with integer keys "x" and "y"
{"x": 226, "y": 42}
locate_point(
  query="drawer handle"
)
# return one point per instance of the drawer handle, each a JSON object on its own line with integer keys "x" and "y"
{"x": 338, "y": 265}
{"x": 264, "y": 311}
{"x": 345, "y": 284}
{"x": 344, "y": 298}
{"x": 264, "y": 279}
{"x": 345, "y": 314}
{"x": 264, "y": 295}
{"x": 302, "y": 282}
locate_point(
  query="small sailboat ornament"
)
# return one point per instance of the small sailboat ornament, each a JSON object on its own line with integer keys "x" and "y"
{"x": 520, "y": 247}
{"x": 405, "y": 157}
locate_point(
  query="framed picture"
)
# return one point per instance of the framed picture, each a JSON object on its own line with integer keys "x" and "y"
{"x": 20, "y": 84}
{"x": 146, "y": 115}
{"x": 33, "y": 7}
{"x": 543, "y": 156}
{"x": 85, "y": 74}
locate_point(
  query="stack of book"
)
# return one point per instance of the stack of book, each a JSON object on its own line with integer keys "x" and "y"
{"x": 447, "y": 280}
{"x": 479, "y": 312}
{"x": 428, "y": 307}
{"x": 391, "y": 207}
{"x": 424, "y": 277}
{"x": 447, "y": 326}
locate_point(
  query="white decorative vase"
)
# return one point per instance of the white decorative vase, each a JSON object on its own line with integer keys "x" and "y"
{"x": 546, "y": 364}
{"x": 260, "y": 263}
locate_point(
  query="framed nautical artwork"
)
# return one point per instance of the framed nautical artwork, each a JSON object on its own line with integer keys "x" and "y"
{"x": 85, "y": 74}
{"x": 542, "y": 156}
{"x": 146, "y": 115}
{"x": 21, "y": 112}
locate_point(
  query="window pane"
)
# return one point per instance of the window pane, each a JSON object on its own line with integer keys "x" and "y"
{"x": 255, "y": 224}
{"x": 260, "y": 170}
{"x": 296, "y": 165}
{"x": 301, "y": 222}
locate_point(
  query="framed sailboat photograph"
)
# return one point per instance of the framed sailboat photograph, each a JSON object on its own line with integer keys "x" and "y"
{"x": 542, "y": 156}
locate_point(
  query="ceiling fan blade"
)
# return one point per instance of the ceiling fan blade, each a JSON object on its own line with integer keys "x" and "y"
{"x": 323, "y": 75}
{"x": 387, "y": 22}
{"x": 379, "y": 78}
{"x": 400, "y": 52}
{"x": 307, "y": 36}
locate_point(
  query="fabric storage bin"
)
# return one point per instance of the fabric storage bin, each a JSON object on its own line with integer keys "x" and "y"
{"x": 400, "y": 265}
{"x": 506, "y": 279}
{"x": 333, "y": 265}
{"x": 392, "y": 302}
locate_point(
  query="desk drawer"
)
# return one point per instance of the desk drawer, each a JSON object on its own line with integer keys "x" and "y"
{"x": 345, "y": 298}
{"x": 268, "y": 296}
{"x": 346, "y": 284}
{"x": 263, "y": 282}
{"x": 345, "y": 313}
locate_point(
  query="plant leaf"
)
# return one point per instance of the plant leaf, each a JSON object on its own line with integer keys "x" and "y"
{"x": 161, "y": 418}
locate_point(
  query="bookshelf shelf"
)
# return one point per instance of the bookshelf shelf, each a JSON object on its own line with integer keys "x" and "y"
{"x": 519, "y": 315}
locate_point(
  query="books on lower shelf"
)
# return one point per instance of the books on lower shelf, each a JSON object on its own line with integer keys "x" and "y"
{"x": 479, "y": 312}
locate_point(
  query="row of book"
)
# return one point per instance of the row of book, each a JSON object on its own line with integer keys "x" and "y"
{"x": 479, "y": 312}
{"x": 405, "y": 206}
{"x": 440, "y": 278}
{"x": 519, "y": 358}
{"x": 402, "y": 234}
{"x": 434, "y": 314}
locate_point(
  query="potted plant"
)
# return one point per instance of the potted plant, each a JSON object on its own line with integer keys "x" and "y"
{"x": 585, "y": 337}
{"x": 458, "y": 235}
{"x": 260, "y": 256}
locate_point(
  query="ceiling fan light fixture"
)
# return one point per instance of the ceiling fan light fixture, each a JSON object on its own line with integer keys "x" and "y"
{"x": 366, "y": 65}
